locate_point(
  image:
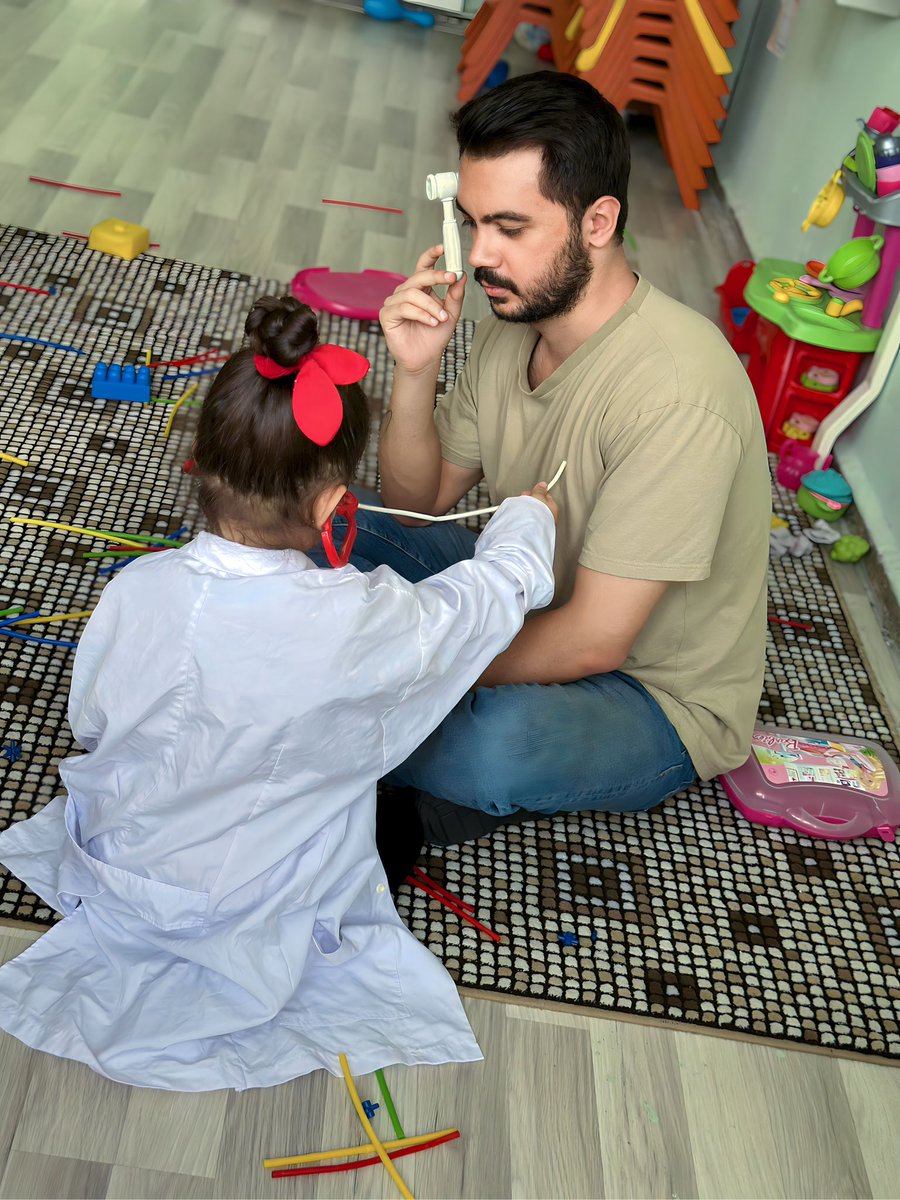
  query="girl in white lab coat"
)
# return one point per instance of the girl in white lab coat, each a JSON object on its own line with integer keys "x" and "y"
{"x": 227, "y": 920}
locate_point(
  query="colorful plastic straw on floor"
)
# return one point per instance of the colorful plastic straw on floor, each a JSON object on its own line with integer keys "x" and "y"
{"x": 72, "y": 187}
{"x": 19, "y": 337}
{"x": 10, "y": 627}
{"x": 318, "y": 1163}
{"x": 108, "y": 535}
{"x": 373, "y": 1136}
{"x": 420, "y": 874}
{"x": 23, "y": 287}
{"x": 451, "y": 902}
{"x": 37, "y": 619}
{"x": 206, "y": 357}
{"x": 189, "y": 392}
{"x": 20, "y": 462}
{"x": 7, "y": 630}
{"x": 389, "y": 1102}
{"x": 321, "y": 1156}
{"x": 25, "y": 637}
{"x": 367, "y": 1162}
{"x": 24, "y": 617}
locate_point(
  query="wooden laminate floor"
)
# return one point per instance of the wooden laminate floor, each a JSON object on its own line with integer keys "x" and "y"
{"x": 225, "y": 123}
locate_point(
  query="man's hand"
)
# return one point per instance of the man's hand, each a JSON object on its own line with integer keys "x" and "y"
{"x": 417, "y": 324}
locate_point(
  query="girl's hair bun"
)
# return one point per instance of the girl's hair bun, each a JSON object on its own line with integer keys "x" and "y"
{"x": 281, "y": 328}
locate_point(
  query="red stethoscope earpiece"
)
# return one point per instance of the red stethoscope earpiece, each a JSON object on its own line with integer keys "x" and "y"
{"x": 347, "y": 509}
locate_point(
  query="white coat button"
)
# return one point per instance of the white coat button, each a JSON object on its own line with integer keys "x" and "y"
{"x": 380, "y": 888}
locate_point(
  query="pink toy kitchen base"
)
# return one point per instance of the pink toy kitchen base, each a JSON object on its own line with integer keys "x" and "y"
{"x": 822, "y": 785}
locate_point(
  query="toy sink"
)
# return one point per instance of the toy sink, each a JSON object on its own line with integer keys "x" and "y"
{"x": 822, "y": 785}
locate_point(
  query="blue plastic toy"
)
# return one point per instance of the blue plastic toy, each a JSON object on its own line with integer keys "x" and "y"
{"x": 121, "y": 383}
{"x": 393, "y": 10}
{"x": 498, "y": 75}
{"x": 369, "y": 1108}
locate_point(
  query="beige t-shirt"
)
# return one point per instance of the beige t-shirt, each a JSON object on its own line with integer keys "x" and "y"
{"x": 667, "y": 479}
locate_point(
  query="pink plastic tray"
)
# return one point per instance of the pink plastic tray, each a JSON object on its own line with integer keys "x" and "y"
{"x": 823, "y": 785}
{"x": 347, "y": 294}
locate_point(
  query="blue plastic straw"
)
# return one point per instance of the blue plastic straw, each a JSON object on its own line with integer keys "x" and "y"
{"x": 26, "y": 637}
{"x": 17, "y": 337}
{"x": 20, "y": 617}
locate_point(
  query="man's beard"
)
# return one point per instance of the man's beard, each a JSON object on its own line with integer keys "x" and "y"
{"x": 555, "y": 294}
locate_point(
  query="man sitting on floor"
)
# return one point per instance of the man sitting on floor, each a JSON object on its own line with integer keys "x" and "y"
{"x": 647, "y": 670}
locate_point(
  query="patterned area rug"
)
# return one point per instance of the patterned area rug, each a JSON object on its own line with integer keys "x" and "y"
{"x": 688, "y": 913}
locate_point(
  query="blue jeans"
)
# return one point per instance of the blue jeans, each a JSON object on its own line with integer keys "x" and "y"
{"x": 598, "y": 743}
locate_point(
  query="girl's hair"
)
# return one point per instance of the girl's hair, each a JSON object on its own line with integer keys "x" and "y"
{"x": 256, "y": 468}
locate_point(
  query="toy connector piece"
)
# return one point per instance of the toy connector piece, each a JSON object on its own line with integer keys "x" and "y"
{"x": 119, "y": 238}
{"x": 121, "y": 383}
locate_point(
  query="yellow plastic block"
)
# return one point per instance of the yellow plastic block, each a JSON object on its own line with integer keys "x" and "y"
{"x": 113, "y": 236}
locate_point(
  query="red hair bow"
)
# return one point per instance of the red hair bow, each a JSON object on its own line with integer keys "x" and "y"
{"x": 317, "y": 405}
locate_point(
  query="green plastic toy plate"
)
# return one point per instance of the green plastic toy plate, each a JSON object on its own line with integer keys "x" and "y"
{"x": 865, "y": 161}
{"x": 801, "y": 319}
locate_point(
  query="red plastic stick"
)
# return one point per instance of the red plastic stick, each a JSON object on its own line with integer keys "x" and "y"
{"x": 371, "y": 207}
{"x": 420, "y": 874}
{"x": 209, "y": 356}
{"x": 72, "y": 187}
{"x": 453, "y": 906}
{"x": 364, "y": 1162}
{"x": 22, "y": 288}
{"x": 793, "y": 624}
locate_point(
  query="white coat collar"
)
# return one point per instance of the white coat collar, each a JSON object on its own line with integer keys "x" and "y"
{"x": 220, "y": 554}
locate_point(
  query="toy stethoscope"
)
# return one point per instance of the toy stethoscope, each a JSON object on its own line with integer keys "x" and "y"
{"x": 348, "y": 506}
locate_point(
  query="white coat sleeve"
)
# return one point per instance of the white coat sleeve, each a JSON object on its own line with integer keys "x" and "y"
{"x": 468, "y": 614}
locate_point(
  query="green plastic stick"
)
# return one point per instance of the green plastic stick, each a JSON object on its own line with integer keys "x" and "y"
{"x": 114, "y": 553}
{"x": 389, "y": 1104}
{"x": 11, "y": 612}
{"x": 139, "y": 537}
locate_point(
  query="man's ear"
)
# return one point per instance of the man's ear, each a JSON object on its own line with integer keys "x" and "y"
{"x": 325, "y": 504}
{"x": 599, "y": 222}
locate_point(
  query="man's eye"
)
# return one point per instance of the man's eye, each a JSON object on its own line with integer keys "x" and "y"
{"x": 468, "y": 223}
{"x": 510, "y": 232}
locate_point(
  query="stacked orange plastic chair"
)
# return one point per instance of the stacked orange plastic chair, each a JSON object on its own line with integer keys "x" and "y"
{"x": 668, "y": 54}
{"x": 489, "y": 33}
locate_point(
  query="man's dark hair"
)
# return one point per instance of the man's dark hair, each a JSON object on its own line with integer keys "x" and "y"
{"x": 581, "y": 137}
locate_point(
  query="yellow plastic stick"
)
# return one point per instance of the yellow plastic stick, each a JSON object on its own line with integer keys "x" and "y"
{"x": 299, "y": 1160}
{"x": 20, "y": 462}
{"x": 574, "y": 25}
{"x": 175, "y": 407}
{"x": 587, "y": 59}
{"x": 373, "y": 1136}
{"x": 718, "y": 59}
{"x": 75, "y": 616}
{"x": 147, "y": 359}
{"x": 107, "y": 537}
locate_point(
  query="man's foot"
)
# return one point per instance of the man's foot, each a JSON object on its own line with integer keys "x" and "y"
{"x": 448, "y": 824}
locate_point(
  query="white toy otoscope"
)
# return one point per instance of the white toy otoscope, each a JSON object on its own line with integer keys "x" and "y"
{"x": 443, "y": 187}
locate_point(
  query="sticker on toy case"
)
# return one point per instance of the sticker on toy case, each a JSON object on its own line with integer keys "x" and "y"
{"x": 819, "y": 760}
